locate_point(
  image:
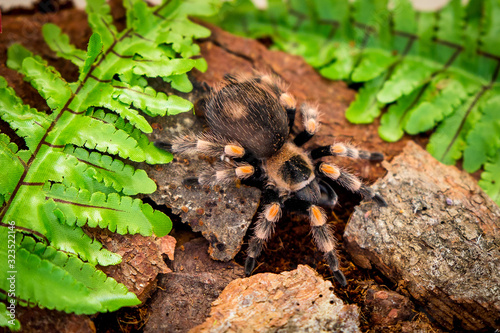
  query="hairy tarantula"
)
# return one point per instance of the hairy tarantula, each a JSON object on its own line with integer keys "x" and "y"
{"x": 250, "y": 122}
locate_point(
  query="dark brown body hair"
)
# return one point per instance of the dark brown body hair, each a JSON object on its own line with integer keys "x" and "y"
{"x": 250, "y": 113}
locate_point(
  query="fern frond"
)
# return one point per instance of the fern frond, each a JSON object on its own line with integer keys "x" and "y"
{"x": 74, "y": 171}
{"x": 61, "y": 281}
{"x": 80, "y": 207}
{"x": 483, "y": 140}
{"x": 104, "y": 169}
{"x": 432, "y": 72}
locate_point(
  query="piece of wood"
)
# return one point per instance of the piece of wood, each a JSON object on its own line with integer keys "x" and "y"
{"x": 439, "y": 237}
{"x": 295, "y": 301}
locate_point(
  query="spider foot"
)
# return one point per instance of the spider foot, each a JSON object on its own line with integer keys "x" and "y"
{"x": 333, "y": 263}
{"x": 249, "y": 265}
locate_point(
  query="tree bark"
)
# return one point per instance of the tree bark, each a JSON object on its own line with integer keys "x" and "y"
{"x": 439, "y": 238}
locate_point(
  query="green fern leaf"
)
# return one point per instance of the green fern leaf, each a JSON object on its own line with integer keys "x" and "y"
{"x": 489, "y": 178}
{"x": 49, "y": 83}
{"x": 366, "y": 107}
{"x": 404, "y": 17}
{"x": 491, "y": 27}
{"x": 101, "y": 21}
{"x": 5, "y": 320}
{"x": 80, "y": 207}
{"x": 180, "y": 82}
{"x": 148, "y": 100}
{"x": 94, "y": 49}
{"x": 153, "y": 155}
{"x": 373, "y": 63}
{"x": 448, "y": 141}
{"x": 406, "y": 79}
{"x": 104, "y": 169}
{"x": 28, "y": 123}
{"x": 9, "y": 160}
{"x": 61, "y": 281}
{"x": 106, "y": 291}
{"x": 442, "y": 97}
{"x": 393, "y": 122}
{"x": 483, "y": 141}
{"x": 60, "y": 42}
{"x": 344, "y": 63}
{"x": 70, "y": 175}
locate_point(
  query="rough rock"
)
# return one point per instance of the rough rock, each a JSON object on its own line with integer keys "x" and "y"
{"x": 294, "y": 301}
{"x": 439, "y": 237}
{"x": 184, "y": 296}
{"x": 221, "y": 214}
{"x": 142, "y": 260}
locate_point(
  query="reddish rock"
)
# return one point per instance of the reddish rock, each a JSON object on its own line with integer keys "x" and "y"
{"x": 295, "y": 301}
{"x": 439, "y": 236}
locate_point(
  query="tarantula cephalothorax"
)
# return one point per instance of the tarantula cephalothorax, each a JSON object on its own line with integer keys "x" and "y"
{"x": 250, "y": 121}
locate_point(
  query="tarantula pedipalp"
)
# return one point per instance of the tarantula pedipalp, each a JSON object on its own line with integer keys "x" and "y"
{"x": 250, "y": 122}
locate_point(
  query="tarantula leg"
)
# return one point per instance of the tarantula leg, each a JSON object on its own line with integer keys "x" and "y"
{"x": 349, "y": 181}
{"x": 163, "y": 145}
{"x": 262, "y": 232}
{"x": 331, "y": 197}
{"x": 269, "y": 215}
{"x": 206, "y": 144}
{"x": 344, "y": 149}
{"x": 290, "y": 105}
{"x": 325, "y": 241}
{"x": 310, "y": 121}
{"x": 226, "y": 173}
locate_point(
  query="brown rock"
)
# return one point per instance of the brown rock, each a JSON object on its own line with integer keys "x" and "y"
{"x": 184, "y": 296}
{"x": 295, "y": 301}
{"x": 435, "y": 238}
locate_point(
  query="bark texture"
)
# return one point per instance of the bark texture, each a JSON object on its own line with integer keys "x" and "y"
{"x": 142, "y": 260}
{"x": 439, "y": 238}
{"x": 221, "y": 214}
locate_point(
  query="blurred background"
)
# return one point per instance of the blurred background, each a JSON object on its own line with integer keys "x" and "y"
{"x": 6, "y": 5}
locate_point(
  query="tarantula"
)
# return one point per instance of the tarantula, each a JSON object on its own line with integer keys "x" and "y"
{"x": 250, "y": 123}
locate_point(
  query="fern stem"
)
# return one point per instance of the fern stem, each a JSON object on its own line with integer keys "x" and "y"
{"x": 36, "y": 233}
{"x": 478, "y": 96}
